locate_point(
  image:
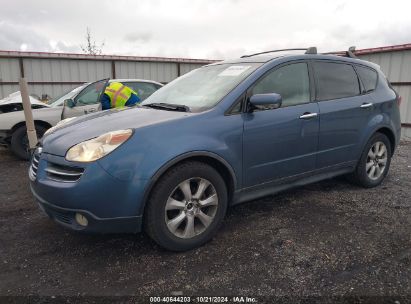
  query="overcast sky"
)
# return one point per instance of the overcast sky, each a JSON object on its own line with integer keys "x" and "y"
{"x": 213, "y": 29}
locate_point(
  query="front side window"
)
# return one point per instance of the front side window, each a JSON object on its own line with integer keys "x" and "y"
{"x": 203, "y": 88}
{"x": 91, "y": 94}
{"x": 368, "y": 78}
{"x": 290, "y": 81}
{"x": 58, "y": 101}
{"x": 336, "y": 80}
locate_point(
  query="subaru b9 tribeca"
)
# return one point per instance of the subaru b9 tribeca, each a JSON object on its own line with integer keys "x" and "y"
{"x": 220, "y": 135}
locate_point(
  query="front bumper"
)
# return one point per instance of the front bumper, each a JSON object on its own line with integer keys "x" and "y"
{"x": 110, "y": 205}
{"x": 66, "y": 218}
{"x": 5, "y": 137}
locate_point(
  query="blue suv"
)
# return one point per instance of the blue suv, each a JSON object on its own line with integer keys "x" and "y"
{"x": 220, "y": 135}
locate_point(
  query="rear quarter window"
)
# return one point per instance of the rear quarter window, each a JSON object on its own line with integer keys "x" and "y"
{"x": 368, "y": 77}
{"x": 335, "y": 80}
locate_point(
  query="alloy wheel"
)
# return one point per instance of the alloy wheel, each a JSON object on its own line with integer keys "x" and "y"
{"x": 191, "y": 208}
{"x": 376, "y": 160}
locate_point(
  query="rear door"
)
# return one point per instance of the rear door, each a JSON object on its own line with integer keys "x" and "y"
{"x": 281, "y": 142}
{"x": 87, "y": 101}
{"x": 344, "y": 112}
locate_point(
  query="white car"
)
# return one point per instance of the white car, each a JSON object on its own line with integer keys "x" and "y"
{"x": 13, "y": 103}
{"x": 79, "y": 101}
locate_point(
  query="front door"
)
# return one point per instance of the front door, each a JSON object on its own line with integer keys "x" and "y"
{"x": 87, "y": 101}
{"x": 281, "y": 142}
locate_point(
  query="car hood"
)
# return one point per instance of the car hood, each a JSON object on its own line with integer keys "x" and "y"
{"x": 93, "y": 125}
{"x": 16, "y": 98}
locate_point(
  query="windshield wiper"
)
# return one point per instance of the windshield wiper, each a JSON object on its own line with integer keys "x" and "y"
{"x": 168, "y": 106}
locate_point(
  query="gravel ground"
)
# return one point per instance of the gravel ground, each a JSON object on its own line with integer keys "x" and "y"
{"x": 329, "y": 238}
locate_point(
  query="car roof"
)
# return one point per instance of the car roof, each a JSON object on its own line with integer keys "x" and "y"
{"x": 292, "y": 56}
{"x": 135, "y": 80}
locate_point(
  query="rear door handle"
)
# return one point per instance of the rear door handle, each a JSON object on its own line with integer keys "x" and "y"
{"x": 366, "y": 105}
{"x": 308, "y": 115}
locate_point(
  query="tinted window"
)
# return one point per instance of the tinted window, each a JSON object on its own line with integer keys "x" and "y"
{"x": 368, "y": 78}
{"x": 336, "y": 80}
{"x": 143, "y": 89}
{"x": 290, "y": 81}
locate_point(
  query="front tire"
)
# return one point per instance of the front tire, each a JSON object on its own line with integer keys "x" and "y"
{"x": 374, "y": 163}
{"x": 19, "y": 141}
{"x": 186, "y": 207}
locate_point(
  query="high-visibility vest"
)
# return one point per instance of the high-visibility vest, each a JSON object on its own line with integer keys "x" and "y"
{"x": 119, "y": 94}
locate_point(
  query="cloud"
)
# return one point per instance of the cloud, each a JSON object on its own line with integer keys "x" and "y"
{"x": 203, "y": 28}
{"x": 340, "y": 7}
{"x": 138, "y": 37}
{"x": 13, "y": 36}
{"x": 19, "y": 37}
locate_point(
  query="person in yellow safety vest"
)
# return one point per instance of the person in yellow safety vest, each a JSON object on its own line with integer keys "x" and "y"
{"x": 117, "y": 95}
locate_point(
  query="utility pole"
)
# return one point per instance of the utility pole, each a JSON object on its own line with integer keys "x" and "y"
{"x": 28, "y": 114}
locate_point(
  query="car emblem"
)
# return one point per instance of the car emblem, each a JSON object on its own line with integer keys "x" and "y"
{"x": 38, "y": 150}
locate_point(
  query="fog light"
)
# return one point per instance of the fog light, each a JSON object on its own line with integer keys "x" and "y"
{"x": 81, "y": 220}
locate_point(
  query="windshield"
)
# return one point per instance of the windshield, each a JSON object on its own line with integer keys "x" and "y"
{"x": 203, "y": 88}
{"x": 59, "y": 100}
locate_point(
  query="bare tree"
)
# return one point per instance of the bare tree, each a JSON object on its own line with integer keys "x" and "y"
{"x": 91, "y": 46}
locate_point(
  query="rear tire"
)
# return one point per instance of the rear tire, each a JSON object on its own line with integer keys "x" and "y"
{"x": 186, "y": 207}
{"x": 374, "y": 163}
{"x": 19, "y": 141}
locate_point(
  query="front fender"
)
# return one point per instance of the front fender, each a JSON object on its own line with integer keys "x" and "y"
{"x": 153, "y": 149}
{"x": 49, "y": 115}
{"x": 183, "y": 157}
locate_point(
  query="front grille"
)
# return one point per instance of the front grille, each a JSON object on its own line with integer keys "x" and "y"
{"x": 34, "y": 167}
{"x": 63, "y": 173}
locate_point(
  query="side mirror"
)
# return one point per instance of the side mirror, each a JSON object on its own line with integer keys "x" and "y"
{"x": 265, "y": 101}
{"x": 69, "y": 103}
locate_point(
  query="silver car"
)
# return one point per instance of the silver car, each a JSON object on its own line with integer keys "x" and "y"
{"x": 78, "y": 101}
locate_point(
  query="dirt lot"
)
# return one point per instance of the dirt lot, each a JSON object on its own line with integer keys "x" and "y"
{"x": 329, "y": 238}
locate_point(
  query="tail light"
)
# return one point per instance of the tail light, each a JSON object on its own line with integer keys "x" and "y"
{"x": 399, "y": 100}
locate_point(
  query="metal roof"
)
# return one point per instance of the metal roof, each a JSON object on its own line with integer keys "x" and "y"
{"x": 3, "y": 53}
{"x": 382, "y": 49}
{"x": 8, "y": 54}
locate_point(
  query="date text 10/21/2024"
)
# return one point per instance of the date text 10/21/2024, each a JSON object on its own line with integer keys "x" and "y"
{"x": 188, "y": 299}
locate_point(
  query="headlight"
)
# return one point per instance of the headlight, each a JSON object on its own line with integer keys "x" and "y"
{"x": 59, "y": 125}
{"x": 96, "y": 148}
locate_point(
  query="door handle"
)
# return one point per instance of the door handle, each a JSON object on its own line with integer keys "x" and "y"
{"x": 308, "y": 115}
{"x": 89, "y": 111}
{"x": 366, "y": 105}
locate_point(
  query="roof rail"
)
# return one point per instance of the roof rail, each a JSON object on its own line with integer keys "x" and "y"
{"x": 310, "y": 50}
{"x": 350, "y": 52}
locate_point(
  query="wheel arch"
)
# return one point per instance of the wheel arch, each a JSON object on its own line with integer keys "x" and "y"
{"x": 212, "y": 159}
{"x": 36, "y": 122}
{"x": 390, "y": 134}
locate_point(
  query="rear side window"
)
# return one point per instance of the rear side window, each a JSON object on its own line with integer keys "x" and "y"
{"x": 336, "y": 80}
{"x": 290, "y": 81}
{"x": 368, "y": 78}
